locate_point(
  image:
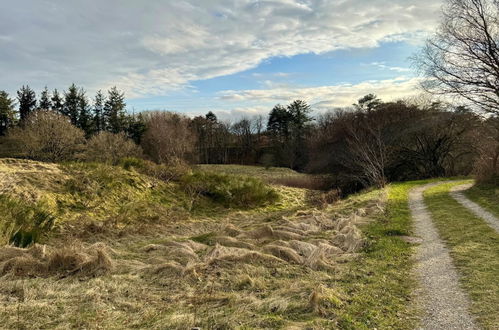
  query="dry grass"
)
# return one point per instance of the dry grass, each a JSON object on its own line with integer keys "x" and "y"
{"x": 279, "y": 266}
{"x": 274, "y": 175}
{"x": 40, "y": 261}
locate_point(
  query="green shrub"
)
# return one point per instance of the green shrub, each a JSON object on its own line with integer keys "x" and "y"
{"x": 132, "y": 162}
{"x": 229, "y": 190}
{"x": 22, "y": 223}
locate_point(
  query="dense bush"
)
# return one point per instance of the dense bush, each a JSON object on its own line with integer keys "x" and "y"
{"x": 229, "y": 190}
{"x": 110, "y": 148}
{"x": 48, "y": 136}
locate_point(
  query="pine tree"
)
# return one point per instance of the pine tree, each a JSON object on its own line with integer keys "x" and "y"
{"x": 211, "y": 117}
{"x": 7, "y": 112}
{"x": 114, "y": 111}
{"x": 57, "y": 102}
{"x": 99, "y": 122}
{"x": 27, "y": 101}
{"x": 45, "y": 103}
{"x": 84, "y": 115}
{"x": 279, "y": 121}
{"x": 299, "y": 112}
{"x": 136, "y": 127}
{"x": 71, "y": 107}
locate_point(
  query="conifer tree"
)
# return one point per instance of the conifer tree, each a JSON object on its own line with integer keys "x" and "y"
{"x": 98, "y": 119}
{"x": 7, "y": 112}
{"x": 56, "y": 101}
{"x": 45, "y": 103}
{"x": 114, "y": 111}
{"x": 84, "y": 113}
{"x": 71, "y": 107}
{"x": 27, "y": 101}
{"x": 136, "y": 127}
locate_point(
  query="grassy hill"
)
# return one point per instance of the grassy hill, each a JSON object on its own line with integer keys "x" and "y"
{"x": 118, "y": 247}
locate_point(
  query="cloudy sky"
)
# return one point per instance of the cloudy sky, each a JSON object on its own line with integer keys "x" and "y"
{"x": 231, "y": 56}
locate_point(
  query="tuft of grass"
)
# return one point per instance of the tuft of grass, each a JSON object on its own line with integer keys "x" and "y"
{"x": 229, "y": 190}
{"x": 474, "y": 247}
{"x": 486, "y": 195}
{"x": 23, "y": 223}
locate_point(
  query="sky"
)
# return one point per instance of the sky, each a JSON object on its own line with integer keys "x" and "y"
{"x": 236, "y": 58}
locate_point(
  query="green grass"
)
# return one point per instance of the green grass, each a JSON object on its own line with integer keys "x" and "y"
{"x": 380, "y": 283}
{"x": 485, "y": 195}
{"x": 23, "y": 223}
{"x": 253, "y": 171}
{"x": 475, "y": 249}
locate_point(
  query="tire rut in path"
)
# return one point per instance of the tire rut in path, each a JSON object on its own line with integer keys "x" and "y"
{"x": 445, "y": 305}
{"x": 457, "y": 194}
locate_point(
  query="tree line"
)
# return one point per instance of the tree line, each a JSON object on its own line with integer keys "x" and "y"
{"x": 370, "y": 143}
{"x": 102, "y": 113}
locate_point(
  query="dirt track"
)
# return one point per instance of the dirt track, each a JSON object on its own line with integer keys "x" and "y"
{"x": 445, "y": 305}
{"x": 457, "y": 194}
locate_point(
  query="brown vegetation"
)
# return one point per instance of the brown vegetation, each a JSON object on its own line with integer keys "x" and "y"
{"x": 110, "y": 148}
{"x": 46, "y": 135}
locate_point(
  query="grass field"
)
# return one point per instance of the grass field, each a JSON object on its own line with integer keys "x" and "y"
{"x": 474, "y": 247}
{"x": 130, "y": 251}
{"x": 273, "y": 175}
{"x": 144, "y": 258}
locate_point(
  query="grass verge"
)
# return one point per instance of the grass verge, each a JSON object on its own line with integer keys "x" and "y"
{"x": 485, "y": 195}
{"x": 380, "y": 283}
{"x": 475, "y": 249}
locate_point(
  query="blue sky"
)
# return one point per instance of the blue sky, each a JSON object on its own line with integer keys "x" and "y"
{"x": 237, "y": 58}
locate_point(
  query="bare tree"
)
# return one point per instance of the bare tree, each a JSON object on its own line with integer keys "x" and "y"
{"x": 368, "y": 150}
{"x": 462, "y": 58}
{"x": 168, "y": 137}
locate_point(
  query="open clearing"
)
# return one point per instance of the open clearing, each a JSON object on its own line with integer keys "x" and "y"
{"x": 128, "y": 251}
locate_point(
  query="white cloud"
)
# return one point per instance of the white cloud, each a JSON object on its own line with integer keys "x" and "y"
{"x": 326, "y": 97}
{"x": 384, "y": 66}
{"x": 153, "y": 47}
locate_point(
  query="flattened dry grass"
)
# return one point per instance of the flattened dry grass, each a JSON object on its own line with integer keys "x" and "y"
{"x": 273, "y": 278}
{"x": 474, "y": 247}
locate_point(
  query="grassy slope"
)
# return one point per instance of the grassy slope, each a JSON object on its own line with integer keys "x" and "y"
{"x": 371, "y": 290}
{"x": 474, "y": 248}
{"x": 485, "y": 195}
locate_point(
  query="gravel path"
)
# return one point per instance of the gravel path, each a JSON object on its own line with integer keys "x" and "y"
{"x": 445, "y": 304}
{"x": 457, "y": 194}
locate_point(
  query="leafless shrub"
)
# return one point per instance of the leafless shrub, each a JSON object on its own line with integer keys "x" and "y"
{"x": 168, "y": 137}
{"x": 110, "y": 148}
{"x": 47, "y": 135}
{"x": 486, "y": 166}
